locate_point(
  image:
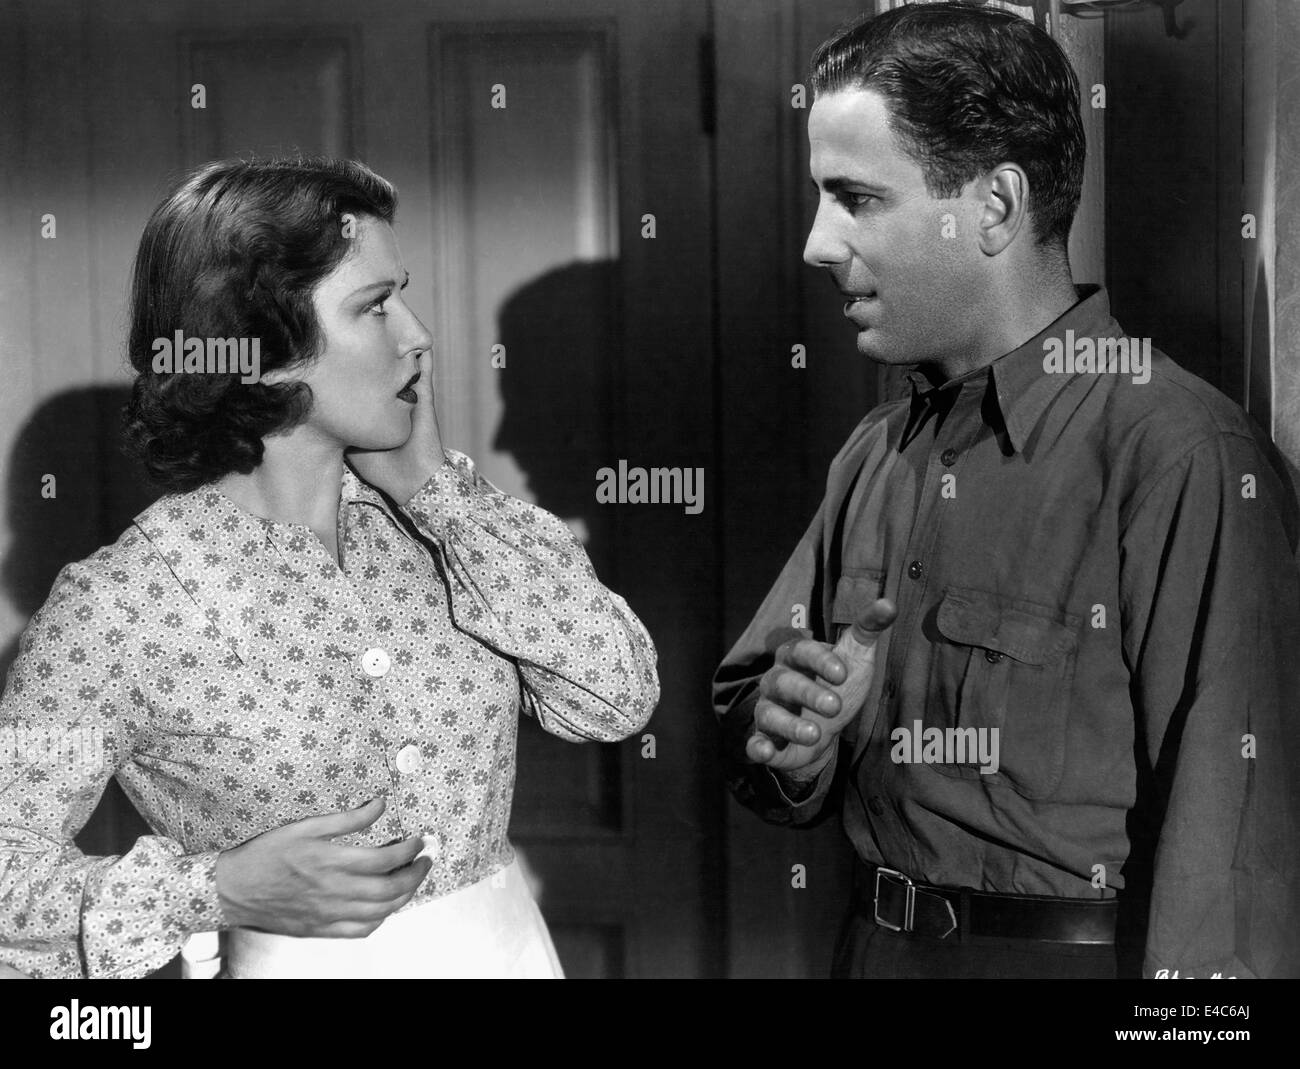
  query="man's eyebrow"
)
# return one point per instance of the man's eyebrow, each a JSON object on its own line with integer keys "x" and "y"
{"x": 838, "y": 183}
{"x": 382, "y": 284}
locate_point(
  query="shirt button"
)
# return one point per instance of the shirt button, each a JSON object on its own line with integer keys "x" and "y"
{"x": 992, "y": 656}
{"x": 948, "y": 457}
{"x": 432, "y": 846}
{"x": 409, "y": 759}
{"x": 375, "y": 662}
{"x": 890, "y": 689}
{"x": 876, "y": 805}
{"x": 914, "y": 570}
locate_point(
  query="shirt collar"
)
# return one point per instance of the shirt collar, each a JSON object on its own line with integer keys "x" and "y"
{"x": 355, "y": 491}
{"x": 1020, "y": 387}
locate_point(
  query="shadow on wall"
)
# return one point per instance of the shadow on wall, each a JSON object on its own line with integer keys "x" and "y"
{"x": 560, "y": 332}
{"x": 71, "y": 490}
{"x": 565, "y": 416}
{"x": 97, "y": 490}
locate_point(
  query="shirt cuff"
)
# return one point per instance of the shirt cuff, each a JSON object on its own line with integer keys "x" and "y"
{"x": 198, "y": 902}
{"x": 448, "y": 495}
{"x": 809, "y": 790}
{"x": 130, "y": 930}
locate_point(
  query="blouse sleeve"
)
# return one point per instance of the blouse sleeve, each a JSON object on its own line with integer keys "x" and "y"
{"x": 67, "y": 723}
{"x": 521, "y": 582}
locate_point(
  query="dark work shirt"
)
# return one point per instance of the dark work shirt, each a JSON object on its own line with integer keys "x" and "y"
{"x": 1103, "y": 571}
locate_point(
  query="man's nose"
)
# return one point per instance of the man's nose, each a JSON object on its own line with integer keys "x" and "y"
{"x": 823, "y": 247}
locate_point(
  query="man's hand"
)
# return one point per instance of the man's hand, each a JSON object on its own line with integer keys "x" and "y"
{"x": 294, "y": 881}
{"x": 402, "y": 471}
{"x": 811, "y": 694}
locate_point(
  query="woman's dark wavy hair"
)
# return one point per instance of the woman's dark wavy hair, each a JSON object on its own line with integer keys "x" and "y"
{"x": 969, "y": 88}
{"x": 235, "y": 251}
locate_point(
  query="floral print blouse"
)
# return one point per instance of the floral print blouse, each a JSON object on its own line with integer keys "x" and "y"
{"x": 235, "y": 679}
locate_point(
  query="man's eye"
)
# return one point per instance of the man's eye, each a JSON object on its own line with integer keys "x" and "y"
{"x": 857, "y": 200}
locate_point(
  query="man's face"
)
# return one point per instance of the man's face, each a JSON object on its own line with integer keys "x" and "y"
{"x": 905, "y": 262}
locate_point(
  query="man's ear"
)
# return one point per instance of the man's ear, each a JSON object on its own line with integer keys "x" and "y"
{"x": 1004, "y": 208}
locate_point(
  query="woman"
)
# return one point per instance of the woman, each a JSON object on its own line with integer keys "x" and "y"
{"x": 305, "y": 662}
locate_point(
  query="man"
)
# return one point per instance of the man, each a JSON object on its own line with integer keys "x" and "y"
{"x": 1077, "y": 755}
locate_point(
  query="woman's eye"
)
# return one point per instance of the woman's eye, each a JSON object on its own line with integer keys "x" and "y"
{"x": 377, "y": 307}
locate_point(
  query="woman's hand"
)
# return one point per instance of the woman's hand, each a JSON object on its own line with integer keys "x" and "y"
{"x": 294, "y": 881}
{"x": 402, "y": 471}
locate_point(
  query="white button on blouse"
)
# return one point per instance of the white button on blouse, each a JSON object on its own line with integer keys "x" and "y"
{"x": 432, "y": 846}
{"x": 376, "y": 662}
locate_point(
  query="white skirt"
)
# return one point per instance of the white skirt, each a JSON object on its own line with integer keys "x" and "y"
{"x": 489, "y": 930}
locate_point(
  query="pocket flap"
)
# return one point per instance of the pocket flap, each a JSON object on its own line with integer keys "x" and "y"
{"x": 1030, "y": 634}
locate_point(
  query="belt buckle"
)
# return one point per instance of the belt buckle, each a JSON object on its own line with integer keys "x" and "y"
{"x": 909, "y": 909}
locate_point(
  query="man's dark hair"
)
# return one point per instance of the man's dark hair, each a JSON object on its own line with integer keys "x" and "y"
{"x": 235, "y": 250}
{"x": 968, "y": 88}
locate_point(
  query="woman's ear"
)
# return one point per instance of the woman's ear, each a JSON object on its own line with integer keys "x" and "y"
{"x": 277, "y": 376}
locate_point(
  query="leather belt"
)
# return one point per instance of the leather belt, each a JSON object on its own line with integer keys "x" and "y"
{"x": 895, "y": 901}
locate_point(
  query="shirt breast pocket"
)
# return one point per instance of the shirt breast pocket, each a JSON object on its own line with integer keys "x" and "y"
{"x": 1003, "y": 667}
{"x": 855, "y": 591}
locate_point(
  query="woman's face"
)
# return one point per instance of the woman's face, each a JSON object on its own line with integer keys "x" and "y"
{"x": 370, "y": 342}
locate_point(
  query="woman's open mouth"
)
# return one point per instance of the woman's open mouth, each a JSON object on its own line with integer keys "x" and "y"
{"x": 407, "y": 392}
